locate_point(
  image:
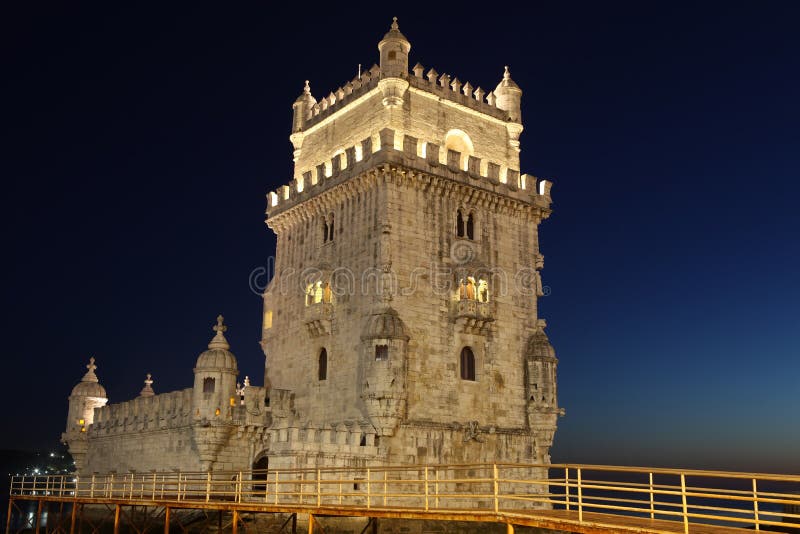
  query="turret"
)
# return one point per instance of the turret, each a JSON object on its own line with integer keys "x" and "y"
{"x": 87, "y": 395}
{"x": 509, "y": 97}
{"x": 215, "y": 378}
{"x": 394, "y": 49}
{"x": 302, "y": 107}
{"x": 383, "y": 369}
{"x": 543, "y": 410}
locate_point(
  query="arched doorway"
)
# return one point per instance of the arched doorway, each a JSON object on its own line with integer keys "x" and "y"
{"x": 260, "y": 473}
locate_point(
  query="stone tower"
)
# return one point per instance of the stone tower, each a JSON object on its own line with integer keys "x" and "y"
{"x": 401, "y": 325}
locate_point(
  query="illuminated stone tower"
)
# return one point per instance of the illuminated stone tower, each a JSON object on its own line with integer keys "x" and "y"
{"x": 401, "y": 325}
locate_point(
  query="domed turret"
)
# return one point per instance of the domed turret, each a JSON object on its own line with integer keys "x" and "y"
{"x": 541, "y": 367}
{"x": 384, "y": 342}
{"x": 394, "y": 49}
{"x": 509, "y": 97}
{"x": 87, "y": 395}
{"x": 215, "y": 377}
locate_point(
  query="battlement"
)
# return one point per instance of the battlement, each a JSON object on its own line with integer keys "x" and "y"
{"x": 442, "y": 86}
{"x": 167, "y": 410}
{"x": 391, "y": 146}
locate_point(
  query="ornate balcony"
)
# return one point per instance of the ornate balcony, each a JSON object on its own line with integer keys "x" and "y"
{"x": 472, "y": 316}
{"x": 318, "y": 317}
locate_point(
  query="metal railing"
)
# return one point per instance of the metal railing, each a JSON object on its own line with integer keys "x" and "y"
{"x": 571, "y": 492}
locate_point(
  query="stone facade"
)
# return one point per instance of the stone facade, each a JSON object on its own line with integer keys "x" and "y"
{"x": 401, "y": 325}
{"x": 408, "y": 237}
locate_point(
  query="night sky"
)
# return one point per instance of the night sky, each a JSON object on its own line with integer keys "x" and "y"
{"x": 139, "y": 145}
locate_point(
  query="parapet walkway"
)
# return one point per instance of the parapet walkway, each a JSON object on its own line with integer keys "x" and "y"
{"x": 567, "y": 497}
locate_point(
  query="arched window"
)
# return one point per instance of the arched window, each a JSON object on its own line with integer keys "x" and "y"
{"x": 483, "y": 290}
{"x": 330, "y": 227}
{"x": 208, "y": 385}
{"x": 470, "y": 227}
{"x": 459, "y": 224}
{"x": 324, "y": 231}
{"x": 470, "y": 289}
{"x": 467, "y": 364}
{"x": 323, "y": 365}
{"x": 459, "y": 141}
{"x": 381, "y": 353}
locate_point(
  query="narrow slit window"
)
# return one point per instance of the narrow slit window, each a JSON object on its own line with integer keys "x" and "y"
{"x": 459, "y": 224}
{"x": 323, "y": 365}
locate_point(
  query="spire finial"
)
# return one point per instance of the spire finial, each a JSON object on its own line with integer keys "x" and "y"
{"x": 220, "y": 326}
{"x": 147, "y": 390}
{"x": 506, "y": 74}
{"x": 394, "y": 24}
{"x": 307, "y": 88}
{"x": 90, "y": 376}
{"x": 219, "y": 341}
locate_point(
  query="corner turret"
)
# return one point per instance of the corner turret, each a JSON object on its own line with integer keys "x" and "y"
{"x": 87, "y": 395}
{"x": 394, "y": 49}
{"x": 215, "y": 377}
{"x": 509, "y": 97}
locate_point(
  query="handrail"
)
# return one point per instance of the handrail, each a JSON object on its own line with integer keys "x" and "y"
{"x": 684, "y": 496}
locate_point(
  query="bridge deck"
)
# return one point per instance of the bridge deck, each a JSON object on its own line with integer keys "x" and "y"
{"x": 564, "y": 520}
{"x": 572, "y": 498}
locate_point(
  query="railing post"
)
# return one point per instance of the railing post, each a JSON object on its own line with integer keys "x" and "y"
{"x": 239, "y": 489}
{"x": 179, "y": 485}
{"x": 319, "y": 488}
{"x": 111, "y": 486}
{"x": 276, "y": 487}
{"x": 566, "y": 487}
{"x": 369, "y": 489}
{"x": 426, "y": 488}
{"x": 436, "y": 488}
{"x": 683, "y": 502}
{"x": 154, "y": 485}
{"x": 91, "y": 489}
{"x": 580, "y": 497}
{"x": 385, "y": 485}
{"x": 496, "y": 489}
{"x": 652, "y": 499}
{"x": 755, "y": 505}
{"x": 208, "y": 487}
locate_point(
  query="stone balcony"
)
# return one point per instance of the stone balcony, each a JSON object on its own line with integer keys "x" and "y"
{"x": 318, "y": 318}
{"x": 472, "y": 316}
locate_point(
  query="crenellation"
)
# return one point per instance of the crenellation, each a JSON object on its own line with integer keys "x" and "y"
{"x": 413, "y": 152}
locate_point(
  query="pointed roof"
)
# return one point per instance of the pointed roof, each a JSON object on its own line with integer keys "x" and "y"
{"x": 507, "y": 83}
{"x": 394, "y": 35}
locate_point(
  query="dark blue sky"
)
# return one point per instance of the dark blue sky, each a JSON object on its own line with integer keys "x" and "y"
{"x": 139, "y": 145}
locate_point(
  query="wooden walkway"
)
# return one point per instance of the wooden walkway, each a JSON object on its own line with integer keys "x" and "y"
{"x": 570, "y": 498}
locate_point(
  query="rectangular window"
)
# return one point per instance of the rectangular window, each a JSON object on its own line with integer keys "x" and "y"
{"x": 381, "y": 353}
